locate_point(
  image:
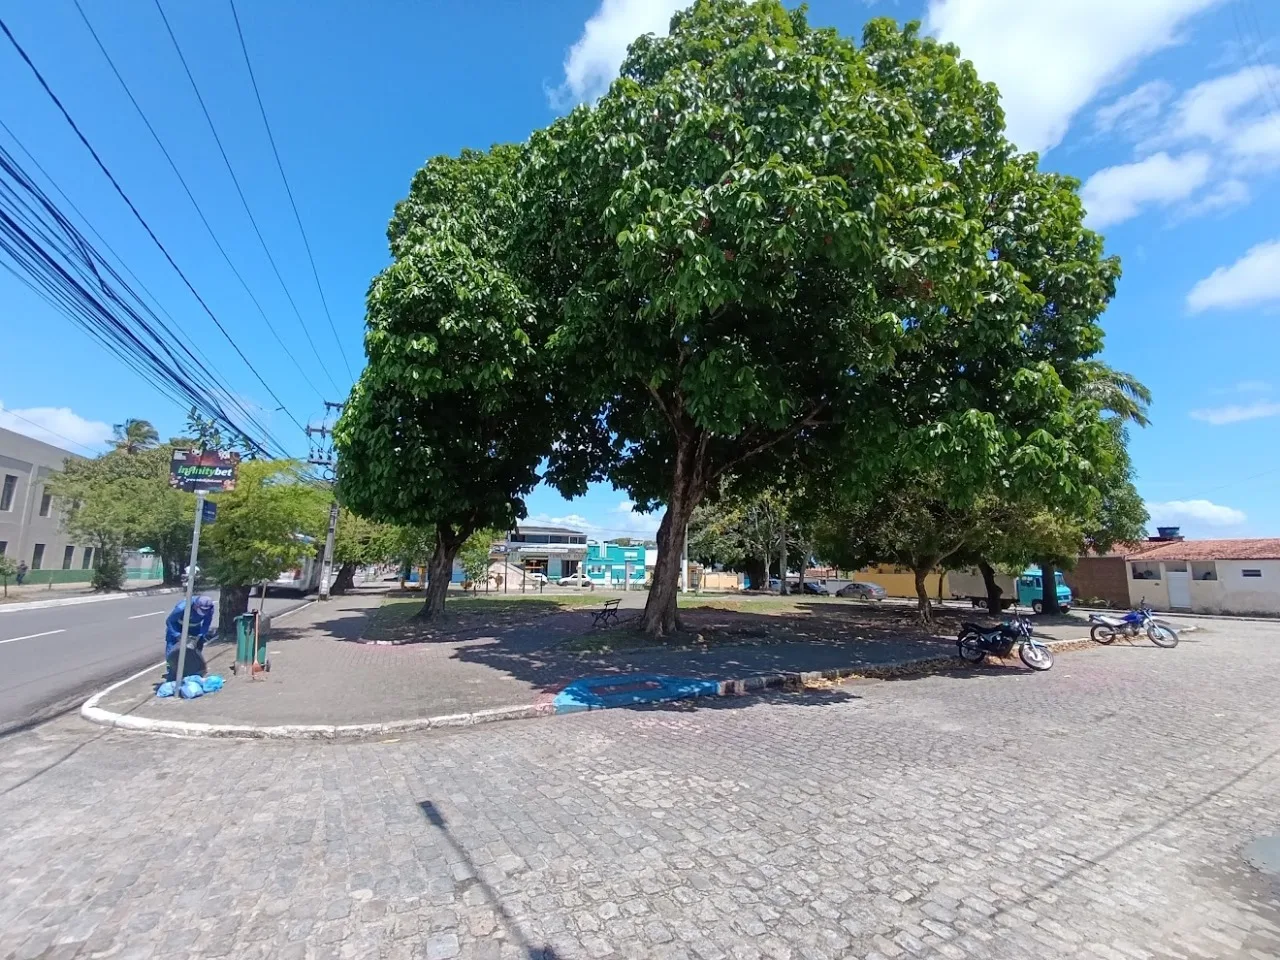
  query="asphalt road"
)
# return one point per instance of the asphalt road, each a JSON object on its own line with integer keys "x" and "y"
{"x": 51, "y": 659}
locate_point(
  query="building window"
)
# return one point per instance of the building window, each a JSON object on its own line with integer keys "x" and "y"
{"x": 37, "y": 556}
{"x": 46, "y": 500}
{"x": 1204, "y": 570}
{"x": 87, "y": 562}
{"x": 68, "y": 554}
{"x": 1146, "y": 571}
{"x": 1252, "y": 573}
{"x": 6, "y": 492}
{"x": 4, "y": 547}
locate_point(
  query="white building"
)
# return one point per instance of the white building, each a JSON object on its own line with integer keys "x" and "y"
{"x": 1207, "y": 576}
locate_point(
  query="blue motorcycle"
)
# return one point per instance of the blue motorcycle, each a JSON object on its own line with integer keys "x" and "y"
{"x": 1106, "y": 629}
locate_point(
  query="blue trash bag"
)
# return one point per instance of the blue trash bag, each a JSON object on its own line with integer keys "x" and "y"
{"x": 212, "y": 683}
{"x": 166, "y": 689}
{"x": 191, "y": 688}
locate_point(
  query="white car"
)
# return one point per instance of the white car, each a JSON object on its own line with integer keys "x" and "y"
{"x": 536, "y": 577}
{"x": 577, "y": 580}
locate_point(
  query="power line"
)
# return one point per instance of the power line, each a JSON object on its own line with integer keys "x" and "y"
{"x": 199, "y": 211}
{"x": 172, "y": 336}
{"x": 146, "y": 226}
{"x": 280, "y": 166}
{"x": 236, "y": 181}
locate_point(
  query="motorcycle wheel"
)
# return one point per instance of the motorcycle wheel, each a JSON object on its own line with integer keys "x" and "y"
{"x": 1036, "y": 657}
{"x": 1162, "y": 636}
{"x": 1102, "y": 634}
{"x": 970, "y": 647}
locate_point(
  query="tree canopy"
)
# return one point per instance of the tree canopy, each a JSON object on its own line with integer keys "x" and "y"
{"x": 450, "y": 418}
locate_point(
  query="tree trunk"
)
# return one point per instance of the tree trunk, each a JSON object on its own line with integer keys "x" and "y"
{"x": 922, "y": 593}
{"x": 660, "y": 617}
{"x": 783, "y": 589}
{"x": 440, "y": 570}
{"x": 345, "y": 580}
{"x": 994, "y": 593}
{"x": 1049, "y": 588}
{"x": 233, "y": 600}
{"x": 757, "y": 572}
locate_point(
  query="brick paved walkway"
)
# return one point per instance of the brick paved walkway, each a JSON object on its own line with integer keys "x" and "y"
{"x": 1095, "y": 811}
{"x": 315, "y": 680}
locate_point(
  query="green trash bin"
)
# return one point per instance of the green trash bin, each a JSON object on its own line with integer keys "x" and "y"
{"x": 246, "y": 634}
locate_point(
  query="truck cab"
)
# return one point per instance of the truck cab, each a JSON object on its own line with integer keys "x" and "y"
{"x": 1031, "y": 590}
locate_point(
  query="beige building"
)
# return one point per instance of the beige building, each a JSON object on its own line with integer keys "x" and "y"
{"x": 1207, "y": 576}
{"x": 30, "y": 522}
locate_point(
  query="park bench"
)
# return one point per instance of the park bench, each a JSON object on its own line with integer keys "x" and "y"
{"x": 606, "y": 615}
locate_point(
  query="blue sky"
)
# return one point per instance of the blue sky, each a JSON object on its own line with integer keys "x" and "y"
{"x": 1167, "y": 110}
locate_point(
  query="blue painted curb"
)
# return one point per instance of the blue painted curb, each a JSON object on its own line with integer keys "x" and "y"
{"x": 624, "y": 690}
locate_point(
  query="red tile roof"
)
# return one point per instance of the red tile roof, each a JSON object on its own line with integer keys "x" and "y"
{"x": 1267, "y": 548}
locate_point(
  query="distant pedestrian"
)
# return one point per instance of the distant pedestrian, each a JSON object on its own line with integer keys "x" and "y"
{"x": 22, "y": 571}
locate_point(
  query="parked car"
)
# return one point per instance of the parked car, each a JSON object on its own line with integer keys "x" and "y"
{"x": 814, "y": 587}
{"x": 577, "y": 580}
{"x": 860, "y": 590}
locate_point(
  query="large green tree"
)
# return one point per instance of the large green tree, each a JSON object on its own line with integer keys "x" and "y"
{"x": 361, "y": 543}
{"x": 122, "y": 501}
{"x": 266, "y": 525}
{"x": 448, "y": 423}
{"x": 737, "y": 238}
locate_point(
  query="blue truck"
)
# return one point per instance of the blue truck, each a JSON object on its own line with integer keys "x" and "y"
{"x": 1027, "y": 589}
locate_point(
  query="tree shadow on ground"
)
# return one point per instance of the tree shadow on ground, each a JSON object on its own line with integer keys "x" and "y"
{"x": 476, "y": 878}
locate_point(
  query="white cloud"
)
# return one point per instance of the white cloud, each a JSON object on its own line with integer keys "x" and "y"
{"x": 1237, "y": 413}
{"x": 1258, "y": 143}
{"x": 1134, "y": 113}
{"x": 1252, "y": 386}
{"x": 593, "y": 61}
{"x": 1210, "y": 110}
{"x": 1227, "y": 195}
{"x": 1251, "y": 281}
{"x": 59, "y": 426}
{"x": 1050, "y": 58}
{"x": 1118, "y": 193}
{"x": 621, "y": 521}
{"x": 1176, "y": 512}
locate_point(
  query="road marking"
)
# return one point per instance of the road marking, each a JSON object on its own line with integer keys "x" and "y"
{"x": 153, "y": 613}
{"x": 32, "y": 636}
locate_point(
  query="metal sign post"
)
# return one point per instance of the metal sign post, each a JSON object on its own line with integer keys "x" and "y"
{"x": 191, "y": 584}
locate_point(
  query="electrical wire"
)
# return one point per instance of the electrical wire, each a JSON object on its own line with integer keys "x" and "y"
{"x": 142, "y": 220}
{"x": 200, "y": 212}
{"x": 280, "y": 166}
{"x": 236, "y": 181}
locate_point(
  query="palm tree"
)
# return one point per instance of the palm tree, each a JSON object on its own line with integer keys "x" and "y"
{"x": 133, "y": 436}
{"x": 1121, "y": 394}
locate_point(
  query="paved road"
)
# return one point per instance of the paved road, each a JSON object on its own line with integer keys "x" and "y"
{"x": 1097, "y": 811}
{"x": 50, "y": 657}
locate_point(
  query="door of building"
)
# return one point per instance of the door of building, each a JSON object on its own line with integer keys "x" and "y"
{"x": 1179, "y": 589}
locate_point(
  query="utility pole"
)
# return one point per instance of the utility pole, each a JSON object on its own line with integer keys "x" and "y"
{"x": 323, "y": 455}
{"x": 684, "y": 563}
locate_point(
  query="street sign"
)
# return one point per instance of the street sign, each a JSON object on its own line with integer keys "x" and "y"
{"x": 210, "y": 512}
{"x": 194, "y": 470}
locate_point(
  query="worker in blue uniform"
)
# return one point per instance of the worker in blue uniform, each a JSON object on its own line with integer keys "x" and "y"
{"x": 202, "y": 610}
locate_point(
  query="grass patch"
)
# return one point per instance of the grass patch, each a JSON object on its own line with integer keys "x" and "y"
{"x": 394, "y": 620}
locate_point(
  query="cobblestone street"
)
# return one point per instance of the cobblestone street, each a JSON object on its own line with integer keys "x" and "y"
{"x": 1098, "y": 810}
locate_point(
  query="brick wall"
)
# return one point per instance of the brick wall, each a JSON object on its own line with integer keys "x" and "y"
{"x": 1104, "y": 577}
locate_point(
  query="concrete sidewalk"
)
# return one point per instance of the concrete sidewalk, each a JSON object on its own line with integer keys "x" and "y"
{"x": 323, "y": 675}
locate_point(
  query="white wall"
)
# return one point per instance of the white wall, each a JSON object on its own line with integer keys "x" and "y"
{"x": 1242, "y": 594}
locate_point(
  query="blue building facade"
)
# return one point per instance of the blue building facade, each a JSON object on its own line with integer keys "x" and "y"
{"x": 610, "y": 564}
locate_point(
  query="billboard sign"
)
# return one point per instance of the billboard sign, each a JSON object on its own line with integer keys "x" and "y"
{"x": 193, "y": 470}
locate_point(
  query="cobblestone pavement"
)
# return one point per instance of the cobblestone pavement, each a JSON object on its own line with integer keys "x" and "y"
{"x": 1098, "y": 810}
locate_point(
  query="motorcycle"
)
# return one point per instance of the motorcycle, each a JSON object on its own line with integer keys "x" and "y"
{"x": 1107, "y": 629}
{"x": 976, "y": 642}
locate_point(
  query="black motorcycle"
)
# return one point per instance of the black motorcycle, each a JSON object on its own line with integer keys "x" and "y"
{"x": 976, "y": 642}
